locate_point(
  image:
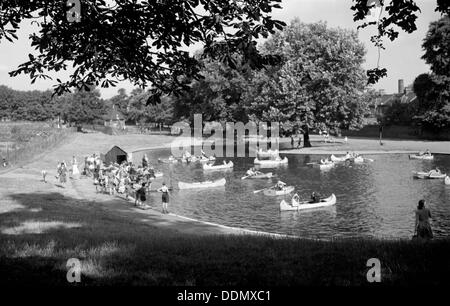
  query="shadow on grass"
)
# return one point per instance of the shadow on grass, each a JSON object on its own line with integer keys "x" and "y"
{"x": 119, "y": 246}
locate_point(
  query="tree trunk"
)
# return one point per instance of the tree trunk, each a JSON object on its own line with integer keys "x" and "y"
{"x": 306, "y": 142}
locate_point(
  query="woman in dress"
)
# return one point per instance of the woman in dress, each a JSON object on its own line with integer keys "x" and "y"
{"x": 75, "y": 170}
{"x": 422, "y": 226}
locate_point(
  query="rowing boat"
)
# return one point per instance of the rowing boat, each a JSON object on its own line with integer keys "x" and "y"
{"x": 168, "y": 161}
{"x": 258, "y": 176}
{"x": 270, "y": 162}
{"x": 424, "y": 156}
{"x": 429, "y": 175}
{"x": 296, "y": 205}
{"x": 218, "y": 167}
{"x": 447, "y": 180}
{"x": 274, "y": 192}
{"x": 206, "y": 184}
{"x": 158, "y": 174}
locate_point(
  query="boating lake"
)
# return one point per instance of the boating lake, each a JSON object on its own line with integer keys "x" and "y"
{"x": 375, "y": 199}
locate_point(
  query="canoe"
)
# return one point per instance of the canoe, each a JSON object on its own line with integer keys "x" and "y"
{"x": 273, "y": 192}
{"x": 218, "y": 167}
{"x": 258, "y": 176}
{"x": 338, "y": 159}
{"x": 285, "y": 206}
{"x": 426, "y": 157}
{"x": 206, "y": 184}
{"x": 271, "y": 162}
{"x": 429, "y": 175}
{"x": 447, "y": 180}
{"x": 322, "y": 166}
{"x": 168, "y": 161}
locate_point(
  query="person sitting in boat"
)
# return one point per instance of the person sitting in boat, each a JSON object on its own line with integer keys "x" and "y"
{"x": 295, "y": 200}
{"x": 315, "y": 197}
{"x": 427, "y": 152}
{"x": 251, "y": 171}
{"x": 224, "y": 162}
{"x": 280, "y": 185}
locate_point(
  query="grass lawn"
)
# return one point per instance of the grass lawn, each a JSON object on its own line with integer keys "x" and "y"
{"x": 47, "y": 229}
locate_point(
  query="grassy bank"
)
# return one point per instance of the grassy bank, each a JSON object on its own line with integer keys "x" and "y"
{"x": 20, "y": 142}
{"x": 41, "y": 231}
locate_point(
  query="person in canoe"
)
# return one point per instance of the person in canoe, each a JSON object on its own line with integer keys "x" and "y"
{"x": 315, "y": 197}
{"x": 422, "y": 226}
{"x": 280, "y": 185}
{"x": 251, "y": 172}
{"x": 295, "y": 200}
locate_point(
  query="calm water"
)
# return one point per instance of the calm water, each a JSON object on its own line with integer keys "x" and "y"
{"x": 374, "y": 199}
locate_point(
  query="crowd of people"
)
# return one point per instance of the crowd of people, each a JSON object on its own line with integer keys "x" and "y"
{"x": 127, "y": 178}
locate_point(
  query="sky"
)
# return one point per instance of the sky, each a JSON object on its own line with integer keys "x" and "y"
{"x": 402, "y": 58}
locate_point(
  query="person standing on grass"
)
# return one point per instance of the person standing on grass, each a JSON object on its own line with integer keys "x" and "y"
{"x": 292, "y": 142}
{"x": 63, "y": 173}
{"x": 165, "y": 197}
{"x": 140, "y": 196}
{"x": 44, "y": 174}
{"x": 299, "y": 141}
{"x": 422, "y": 226}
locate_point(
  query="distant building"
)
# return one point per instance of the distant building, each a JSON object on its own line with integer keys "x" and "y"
{"x": 114, "y": 118}
{"x": 383, "y": 101}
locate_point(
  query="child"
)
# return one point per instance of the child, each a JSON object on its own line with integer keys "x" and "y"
{"x": 140, "y": 196}
{"x": 165, "y": 197}
{"x": 44, "y": 174}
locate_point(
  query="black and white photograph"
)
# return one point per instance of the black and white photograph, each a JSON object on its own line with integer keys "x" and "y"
{"x": 224, "y": 151}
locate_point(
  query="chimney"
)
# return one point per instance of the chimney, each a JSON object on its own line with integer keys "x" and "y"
{"x": 401, "y": 87}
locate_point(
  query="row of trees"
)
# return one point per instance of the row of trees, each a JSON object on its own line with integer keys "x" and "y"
{"x": 320, "y": 83}
{"x": 78, "y": 107}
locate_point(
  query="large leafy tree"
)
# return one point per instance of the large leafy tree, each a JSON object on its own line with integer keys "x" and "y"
{"x": 217, "y": 95}
{"x": 321, "y": 84}
{"x": 144, "y": 42}
{"x": 433, "y": 90}
{"x": 398, "y": 15}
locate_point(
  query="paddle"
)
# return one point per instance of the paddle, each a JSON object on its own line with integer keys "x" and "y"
{"x": 244, "y": 177}
{"x": 256, "y": 191}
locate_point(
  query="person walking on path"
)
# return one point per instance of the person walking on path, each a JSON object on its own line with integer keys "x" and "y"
{"x": 422, "y": 226}
{"x": 165, "y": 198}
